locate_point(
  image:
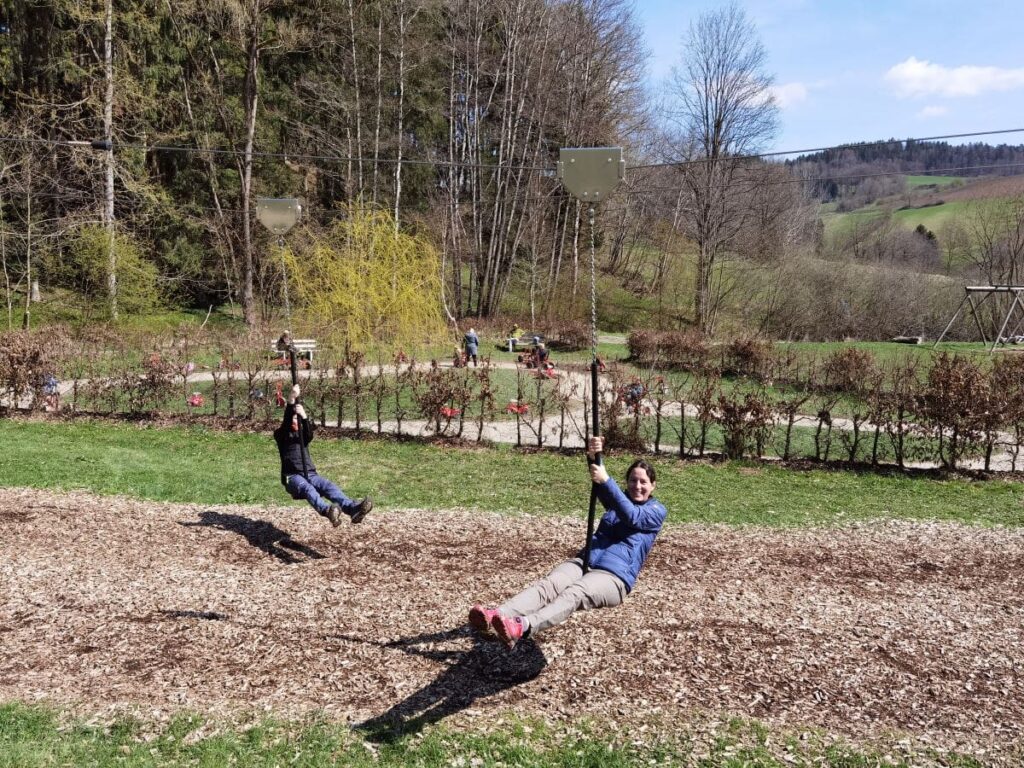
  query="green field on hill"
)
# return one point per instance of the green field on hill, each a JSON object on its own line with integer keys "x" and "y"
{"x": 933, "y": 217}
{"x": 915, "y": 182}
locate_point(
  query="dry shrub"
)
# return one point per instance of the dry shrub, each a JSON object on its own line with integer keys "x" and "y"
{"x": 621, "y": 430}
{"x": 642, "y": 345}
{"x": 894, "y": 406}
{"x": 570, "y": 336}
{"x": 1007, "y": 379}
{"x": 847, "y": 370}
{"x": 27, "y": 359}
{"x": 683, "y": 350}
{"x": 441, "y": 397}
{"x": 828, "y": 301}
{"x": 687, "y": 350}
{"x": 954, "y": 402}
{"x": 147, "y": 391}
{"x": 746, "y": 421}
{"x": 747, "y": 356}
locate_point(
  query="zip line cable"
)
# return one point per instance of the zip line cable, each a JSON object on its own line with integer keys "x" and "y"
{"x": 853, "y": 145}
{"x": 275, "y": 155}
{"x": 642, "y": 190}
{"x": 844, "y": 177}
{"x": 331, "y": 214}
{"x": 452, "y": 164}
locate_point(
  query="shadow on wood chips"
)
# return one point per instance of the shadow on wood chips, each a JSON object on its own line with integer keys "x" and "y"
{"x": 483, "y": 670}
{"x": 265, "y": 536}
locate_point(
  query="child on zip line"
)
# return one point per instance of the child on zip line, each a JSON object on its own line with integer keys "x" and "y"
{"x": 298, "y": 473}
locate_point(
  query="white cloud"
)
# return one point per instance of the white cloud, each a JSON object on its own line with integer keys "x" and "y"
{"x": 788, "y": 94}
{"x": 933, "y": 112}
{"x": 914, "y": 77}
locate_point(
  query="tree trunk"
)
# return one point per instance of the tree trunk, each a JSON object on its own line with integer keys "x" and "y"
{"x": 26, "y": 320}
{"x": 401, "y": 107}
{"x": 251, "y": 102}
{"x": 380, "y": 97}
{"x": 108, "y": 134}
{"x": 8, "y": 294}
{"x": 355, "y": 86}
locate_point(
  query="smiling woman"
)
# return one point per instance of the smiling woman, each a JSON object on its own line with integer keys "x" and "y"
{"x": 601, "y": 575}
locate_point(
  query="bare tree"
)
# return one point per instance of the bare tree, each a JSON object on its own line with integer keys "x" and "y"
{"x": 997, "y": 253}
{"x": 108, "y": 134}
{"x": 7, "y": 168}
{"x": 406, "y": 13}
{"x": 997, "y": 231}
{"x": 722, "y": 110}
{"x": 243, "y": 25}
{"x": 252, "y": 11}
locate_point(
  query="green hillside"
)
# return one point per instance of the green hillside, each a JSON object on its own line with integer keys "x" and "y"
{"x": 915, "y": 182}
{"x": 917, "y": 206}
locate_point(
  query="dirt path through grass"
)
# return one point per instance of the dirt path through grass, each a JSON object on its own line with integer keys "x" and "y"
{"x": 112, "y": 603}
{"x": 575, "y": 379}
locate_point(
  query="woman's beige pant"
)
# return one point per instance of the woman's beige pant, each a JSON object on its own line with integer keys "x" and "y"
{"x": 566, "y": 589}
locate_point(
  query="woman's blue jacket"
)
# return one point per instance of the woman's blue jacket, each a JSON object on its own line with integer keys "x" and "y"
{"x": 626, "y": 533}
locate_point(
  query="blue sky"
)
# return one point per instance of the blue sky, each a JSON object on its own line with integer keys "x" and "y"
{"x": 850, "y": 71}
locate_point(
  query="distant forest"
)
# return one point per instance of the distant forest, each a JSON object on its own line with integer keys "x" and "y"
{"x": 833, "y": 170}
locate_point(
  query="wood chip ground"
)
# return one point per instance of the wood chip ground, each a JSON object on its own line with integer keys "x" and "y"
{"x": 865, "y": 631}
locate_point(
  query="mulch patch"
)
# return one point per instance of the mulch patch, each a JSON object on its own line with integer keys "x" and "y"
{"x": 866, "y": 630}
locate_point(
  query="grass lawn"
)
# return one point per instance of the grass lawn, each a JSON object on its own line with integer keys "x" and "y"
{"x": 933, "y": 217}
{"x": 61, "y": 306}
{"x": 32, "y": 737}
{"x": 837, "y": 224}
{"x": 888, "y": 352}
{"x": 194, "y": 465}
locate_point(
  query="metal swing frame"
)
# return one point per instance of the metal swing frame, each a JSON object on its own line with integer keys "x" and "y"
{"x": 987, "y": 291}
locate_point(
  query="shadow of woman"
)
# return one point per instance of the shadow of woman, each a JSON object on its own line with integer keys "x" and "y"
{"x": 260, "y": 534}
{"x": 482, "y": 670}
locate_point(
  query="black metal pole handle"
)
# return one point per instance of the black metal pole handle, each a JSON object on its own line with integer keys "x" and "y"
{"x": 598, "y": 460}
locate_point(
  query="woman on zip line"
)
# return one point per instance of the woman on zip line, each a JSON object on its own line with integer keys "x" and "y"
{"x": 618, "y": 550}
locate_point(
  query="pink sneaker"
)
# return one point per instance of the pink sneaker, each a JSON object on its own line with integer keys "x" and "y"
{"x": 480, "y": 619}
{"x": 508, "y": 629}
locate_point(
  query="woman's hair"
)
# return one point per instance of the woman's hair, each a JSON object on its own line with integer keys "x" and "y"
{"x": 641, "y": 464}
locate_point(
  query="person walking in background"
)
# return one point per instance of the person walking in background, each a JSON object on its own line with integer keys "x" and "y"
{"x": 298, "y": 473}
{"x": 618, "y": 551}
{"x": 472, "y": 344}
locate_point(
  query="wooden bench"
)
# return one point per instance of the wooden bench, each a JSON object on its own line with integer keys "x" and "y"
{"x": 526, "y": 340}
{"x": 304, "y": 348}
